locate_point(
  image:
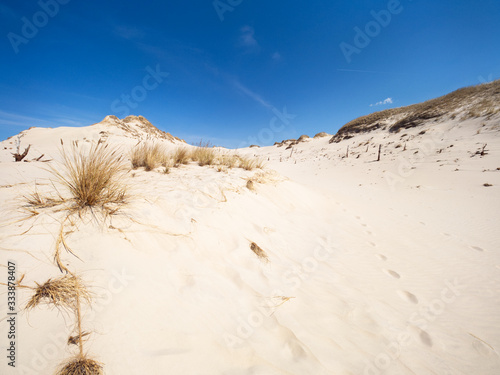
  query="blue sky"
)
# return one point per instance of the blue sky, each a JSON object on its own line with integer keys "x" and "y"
{"x": 237, "y": 72}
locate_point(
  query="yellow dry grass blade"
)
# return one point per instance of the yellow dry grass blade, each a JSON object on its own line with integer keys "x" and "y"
{"x": 62, "y": 292}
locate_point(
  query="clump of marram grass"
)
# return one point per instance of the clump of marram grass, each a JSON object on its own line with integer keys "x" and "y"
{"x": 249, "y": 164}
{"x": 63, "y": 292}
{"x": 148, "y": 155}
{"x": 181, "y": 156}
{"x": 167, "y": 165}
{"x": 93, "y": 178}
{"x": 203, "y": 154}
{"x": 81, "y": 365}
{"x": 230, "y": 161}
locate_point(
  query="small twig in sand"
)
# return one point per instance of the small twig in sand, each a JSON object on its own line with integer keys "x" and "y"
{"x": 282, "y": 300}
{"x": 259, "y": 252}
{"x": 483, "y": 151}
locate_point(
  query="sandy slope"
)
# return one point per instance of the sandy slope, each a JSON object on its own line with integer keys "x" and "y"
{"x": 373, "y": 267}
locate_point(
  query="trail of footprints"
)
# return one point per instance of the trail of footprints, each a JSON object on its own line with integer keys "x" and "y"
{"x": 409, "y": 297}
{"x": 364, "y": 225}
{"x": 405, "y": 295}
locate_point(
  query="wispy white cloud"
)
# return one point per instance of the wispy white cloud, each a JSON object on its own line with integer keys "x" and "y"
{"x": 276, "y": 56}
{"x": 383, "y": 102}
{"x": 247, "y": 37}
{"x": 64, "y": 121}
{"x": 368, "y": 71}
{"x": 14, "y": 119}
{"x": 127, "y": 32}
{"x": 19, "y": 120}
{"x": 247, "y": 41}
{"x": 252, "y": 95}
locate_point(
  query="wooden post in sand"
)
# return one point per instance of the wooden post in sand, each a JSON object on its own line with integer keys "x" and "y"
{"x": 379, "y": 148}
{"x": 19, "y": 157}
{"x": 347, "y": 152}
{"x": 483, "y": 151}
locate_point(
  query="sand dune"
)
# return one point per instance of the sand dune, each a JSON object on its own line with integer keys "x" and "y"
{"x": 388, "y": 267}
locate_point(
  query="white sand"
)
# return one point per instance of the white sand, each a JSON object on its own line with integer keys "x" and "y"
{"x": 388, "y": 269}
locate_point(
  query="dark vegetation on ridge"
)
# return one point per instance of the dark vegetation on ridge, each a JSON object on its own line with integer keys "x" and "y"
{"x": 468, "y": 102}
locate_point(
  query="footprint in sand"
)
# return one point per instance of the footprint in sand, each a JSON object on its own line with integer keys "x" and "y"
{"x": 383, "y": 257}
{"x": 368, "y": 232}
{"x": 422, "y": 223}
{"x": 407, "y": 296}
{"x": 482, "y": 347}
{"x": 446, "y": 234}
{"x": 425, "y": 338}
{"x": 422, "y": 335}
{"x": 372, "y": 244}
{"x": 477, "y": 248}
{"x": 393, "y": 274}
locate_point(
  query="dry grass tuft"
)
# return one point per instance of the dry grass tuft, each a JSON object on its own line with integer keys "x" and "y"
{"x": 62, "y": 292}
{"x": 203, "y": 154}
{"x": 93, "y": 178}
{"x": 35, "y": 200}
{"x": 230, "y": 161}
{"x": 181, "y": 156}
{"x": 81, "y": 365}
{"x": 264, "y": 177}
{"x": 251, "y": 163}
{"x": 147, "y": 155}
{"x": 259, "y": 252}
